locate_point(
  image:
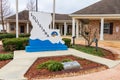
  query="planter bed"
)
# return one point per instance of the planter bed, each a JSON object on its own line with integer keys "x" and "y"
{"x": 87, "y": 67}
{"x": 91, "y": 50}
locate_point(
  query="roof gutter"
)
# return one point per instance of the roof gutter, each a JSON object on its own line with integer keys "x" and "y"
{"x": 94, "y": 15}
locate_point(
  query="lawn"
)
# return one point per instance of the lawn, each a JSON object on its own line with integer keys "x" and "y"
{"x": 90, "y": 50}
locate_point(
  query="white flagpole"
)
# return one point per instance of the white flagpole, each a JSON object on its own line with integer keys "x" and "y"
{"x": 53, "y": 14}
{"x": 16, "y": 18}
{"x": 36, "y": 5}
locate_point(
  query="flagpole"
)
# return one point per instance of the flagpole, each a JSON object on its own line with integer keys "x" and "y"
{"x": 53, "y": 14}
{"x": 36, "y": 5}
{"x": 16, "y": 18}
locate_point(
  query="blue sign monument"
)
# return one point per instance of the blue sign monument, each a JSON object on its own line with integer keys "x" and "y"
{"x": 42, "y": 37}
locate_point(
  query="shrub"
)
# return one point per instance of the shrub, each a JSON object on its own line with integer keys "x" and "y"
{"x": 45, "y": 64}
{"x": 66, "y": 60}
{"x": 67, "y": 42}
{"x": 51, "y": 66}
{"x": 24, "y": 35}
{"x": 9, "y": 35}
{"x": 6, "y": 35}
{"x": 15, "y": 44}
{"x": 6, "y": 56}
{"x": 55, "y": 66}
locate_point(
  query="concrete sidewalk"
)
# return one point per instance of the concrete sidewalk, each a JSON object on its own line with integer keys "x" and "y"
{"x": 16, "y": 69}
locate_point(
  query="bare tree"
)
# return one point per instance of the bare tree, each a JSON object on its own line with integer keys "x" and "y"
{"x": 31, "y": 6}
{"x": 88, "y": 33}
{"x": 4, "y": 11}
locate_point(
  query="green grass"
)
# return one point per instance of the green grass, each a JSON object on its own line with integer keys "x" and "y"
{"x": 89, "y": 50}
{"x": 7, "y": 56}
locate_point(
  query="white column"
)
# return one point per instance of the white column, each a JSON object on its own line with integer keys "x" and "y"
{"x": 17, "y": 19}
{"x": 8, "y": 27}
{"x": 102, "y": 29}
{"x": 73, "y": 27}
{"x": 65, "y": 28}
{"x": 77, "y": 28}
{"x": 80, "y": 28}
{"x": 27, "y": 27}
{"x": 61, "y": 29}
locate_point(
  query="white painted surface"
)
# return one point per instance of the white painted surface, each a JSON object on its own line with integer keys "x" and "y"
{"x": 77, "y": 28}
{"x": 44, "y": 20}
{"x": 73, "y": 27}
{"x": 65, "y": 28}
{"x": 17, "y": 19}
{"x": 8, "y": 28}
{"x": 102, "y": 29}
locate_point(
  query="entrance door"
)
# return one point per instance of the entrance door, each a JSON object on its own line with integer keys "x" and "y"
{"x": 22, "y": 29}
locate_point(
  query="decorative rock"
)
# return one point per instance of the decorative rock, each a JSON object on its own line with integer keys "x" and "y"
{"x": 71, "y": 65}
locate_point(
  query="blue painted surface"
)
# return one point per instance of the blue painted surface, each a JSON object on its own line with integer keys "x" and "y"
{"x": 38, "y": 46}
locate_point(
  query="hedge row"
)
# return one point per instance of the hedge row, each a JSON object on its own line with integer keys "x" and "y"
{"x": 11, "y": 44}
{"x": 15, "y": 44}
{"x": 9, "y": 35}
{"x": 7, "y": 56}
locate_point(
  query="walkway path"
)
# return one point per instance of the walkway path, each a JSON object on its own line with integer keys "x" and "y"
{"x": 22, "y": 61}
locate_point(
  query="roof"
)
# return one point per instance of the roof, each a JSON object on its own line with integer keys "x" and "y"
{"x": 23, "y": 15}
{"x": 62, "y": 17}
{"x": 102, "y": 7}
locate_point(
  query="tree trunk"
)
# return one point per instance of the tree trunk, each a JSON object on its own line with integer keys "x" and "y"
{"x": 2, "y": 20}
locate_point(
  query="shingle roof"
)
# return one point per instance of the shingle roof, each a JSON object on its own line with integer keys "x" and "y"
{"x": 62, "y": 17}
{"x": 102, "y": 7}
{"x": 23, "y": 15}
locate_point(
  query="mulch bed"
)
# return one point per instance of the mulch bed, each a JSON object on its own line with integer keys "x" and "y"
{"x": 107, "y": 54}
{"x": 3, "y": 63}
{"x": 87, "y": 67}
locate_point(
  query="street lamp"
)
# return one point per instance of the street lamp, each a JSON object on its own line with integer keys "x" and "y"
{"x": 53, "y": 14}
{"x": 16, "y": 18}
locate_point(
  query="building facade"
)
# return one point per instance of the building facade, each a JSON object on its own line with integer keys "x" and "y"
{"x": 103, "y": 16}
{"x": 63, "y": 22}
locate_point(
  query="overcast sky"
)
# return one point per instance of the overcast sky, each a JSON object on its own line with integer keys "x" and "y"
{"x": 62, "y": 6}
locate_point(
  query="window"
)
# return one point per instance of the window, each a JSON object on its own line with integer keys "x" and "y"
{"x": 108, "y": 28}
{"x": 22, "y": 29}
{"x": 12, "y": 27}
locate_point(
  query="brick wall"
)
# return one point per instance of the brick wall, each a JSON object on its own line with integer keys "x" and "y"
{"x": 116, "y": 24}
